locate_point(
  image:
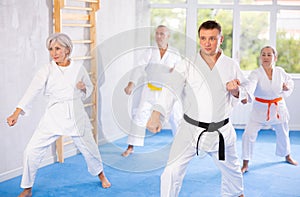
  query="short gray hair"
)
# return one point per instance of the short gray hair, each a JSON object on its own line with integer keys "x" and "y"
{"x": 62, "y": 39}
{"x": 163, "y": 26}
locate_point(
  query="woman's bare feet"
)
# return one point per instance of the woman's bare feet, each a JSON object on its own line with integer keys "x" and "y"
{"x": 104, "y": 180}
{"x": 26, "y": 193}
{"x": 128, "y": 151}
{"x": 290, "y": 160}
{"x": 245, "y": 166}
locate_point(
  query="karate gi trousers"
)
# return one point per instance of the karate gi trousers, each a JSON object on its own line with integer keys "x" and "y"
{"x": 37, "y": 148}
{"x": 283, "y": 146}
{"x": 149, "y": 97}
{"x": 184, "y": 149}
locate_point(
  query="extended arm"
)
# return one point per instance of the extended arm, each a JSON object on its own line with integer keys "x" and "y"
{"x": 154, "y": 125}
{"x": 12, "y": 119}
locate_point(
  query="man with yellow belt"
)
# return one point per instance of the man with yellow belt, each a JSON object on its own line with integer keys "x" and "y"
{"x": 157, "y": 63}
{"x": 269, "y": 84}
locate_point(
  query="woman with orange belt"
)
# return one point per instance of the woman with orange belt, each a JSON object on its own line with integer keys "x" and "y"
{"x": 270, "y": 85}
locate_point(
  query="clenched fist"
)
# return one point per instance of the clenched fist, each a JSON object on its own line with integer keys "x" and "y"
{"x": 233, "y": 87}
{"x": 154, "y": 124}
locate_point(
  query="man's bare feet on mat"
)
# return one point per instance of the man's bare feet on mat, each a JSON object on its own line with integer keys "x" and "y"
{"x": 244, "y": 168}
{"x": 128, "y": 151}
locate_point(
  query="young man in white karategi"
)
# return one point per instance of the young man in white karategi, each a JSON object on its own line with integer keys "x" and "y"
{"x": 155, "y": 65}
{"x": 210, "y": 88}
{"x": 65, "y": 83}
{"x": 270, "y": 85}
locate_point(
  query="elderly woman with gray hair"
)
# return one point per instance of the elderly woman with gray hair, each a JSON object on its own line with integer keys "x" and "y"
{"x": 66, "y": 84}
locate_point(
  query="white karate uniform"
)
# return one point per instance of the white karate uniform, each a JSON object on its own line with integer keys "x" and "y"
{"x": 205, "y": 99}
{"x": 264, "y": 88}
{"x": 154, "y": 70}
{"x": 64, "y": 115}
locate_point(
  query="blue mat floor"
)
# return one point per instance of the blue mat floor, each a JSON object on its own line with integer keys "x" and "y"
{"x": 139, "y": 174}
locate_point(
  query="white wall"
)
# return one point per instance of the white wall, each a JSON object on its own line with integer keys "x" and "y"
{"x": 24, "y": 29}
{"x": 115, "y": 43}
{"x": 294, "y": 107}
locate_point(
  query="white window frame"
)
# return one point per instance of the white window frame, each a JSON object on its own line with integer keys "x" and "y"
{"x": 192, "y": 7}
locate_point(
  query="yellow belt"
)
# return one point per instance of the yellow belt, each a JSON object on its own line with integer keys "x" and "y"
{"x": 153, "y": 87}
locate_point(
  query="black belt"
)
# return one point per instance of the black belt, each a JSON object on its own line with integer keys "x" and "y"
{"x": 210, "y": 127}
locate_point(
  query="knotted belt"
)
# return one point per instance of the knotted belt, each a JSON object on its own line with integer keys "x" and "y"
{"x": 153, "y": 87}
{"x": 210, "y": 127}
{"x": 269, "y": 102}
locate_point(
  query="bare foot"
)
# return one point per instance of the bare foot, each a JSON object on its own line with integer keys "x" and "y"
{"x": 128, "y": 151}
{"x": 26, "y": 193}
{"x": 244, "y": 168}
{"x": 104, "y": 180}
{"x": 289, "y": 159}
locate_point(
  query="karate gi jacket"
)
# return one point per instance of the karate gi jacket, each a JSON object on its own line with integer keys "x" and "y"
{"x": 203, "y": 90}
{"x": 65, "y": 113}
{"x": 204, "y": 95}
{"x": 262, "y": 87}
{"x": 154, "y": 69}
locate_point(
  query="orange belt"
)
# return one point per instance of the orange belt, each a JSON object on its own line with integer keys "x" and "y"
{"x": 153, "y": 87}
{"x": 269, "y": 105}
